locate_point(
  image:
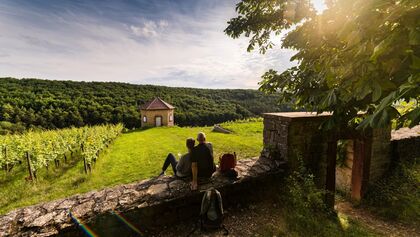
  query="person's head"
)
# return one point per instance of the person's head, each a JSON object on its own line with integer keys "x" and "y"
{"x": 190, "y": 143}
{"x": 201, "y": 137}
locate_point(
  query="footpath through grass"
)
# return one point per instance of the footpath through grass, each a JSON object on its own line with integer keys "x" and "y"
{"x": 133, "y": 156}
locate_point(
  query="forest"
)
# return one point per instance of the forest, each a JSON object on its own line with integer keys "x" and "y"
{"x": 47, "y": 104}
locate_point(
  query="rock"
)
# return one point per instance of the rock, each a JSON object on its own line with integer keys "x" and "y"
{"x": 108, "y": 205}
{"x": 280, "y": 163}
{"x": 241, "y": 168}
{"x": 62, "y": 216}
{"x": 113, "y": 194}
{"x": 28, "y": 215}
{"x": 178, "y": 185}
{"x": 143, "y": 184}
{"x": 266, "y": 168}
{"x": 66, "y": 204}
{"x": 218, "y": 128}
{"x": 49, "y": 231}
{"x": 129, "y": 197}
{"x": 158, "y": 190}
{"x": 100, "y": 195}
{"x": 42, "y": 220}
{"x": 82, "y": 209}
{"x": 256, "y": 169}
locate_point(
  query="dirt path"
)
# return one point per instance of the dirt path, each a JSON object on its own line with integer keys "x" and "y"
{"x": 267, "y": 219}
{"x": 367, "y": 219}
{"x": 257, "y": 220}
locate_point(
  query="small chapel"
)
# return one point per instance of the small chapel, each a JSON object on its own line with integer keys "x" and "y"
{"x": 157, "y": 113}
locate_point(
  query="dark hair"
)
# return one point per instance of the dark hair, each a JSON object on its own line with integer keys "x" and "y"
{"x": 190, "y": 143}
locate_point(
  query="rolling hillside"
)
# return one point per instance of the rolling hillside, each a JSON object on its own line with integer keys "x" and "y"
{"x": 33, "y": 103}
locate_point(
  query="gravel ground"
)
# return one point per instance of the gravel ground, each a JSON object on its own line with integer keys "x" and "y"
{"x": 252, "y": 220}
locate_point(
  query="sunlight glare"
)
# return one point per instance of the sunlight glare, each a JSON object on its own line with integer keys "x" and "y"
{"x": 319, "y": 5}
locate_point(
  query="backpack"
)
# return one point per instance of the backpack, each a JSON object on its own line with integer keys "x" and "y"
{"x": 211, "y": 214}
{"x": 227, "y": 162}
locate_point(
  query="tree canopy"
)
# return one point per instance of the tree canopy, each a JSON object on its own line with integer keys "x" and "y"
{"x": 33, "y": 103}
{"x": 360, "y": 55}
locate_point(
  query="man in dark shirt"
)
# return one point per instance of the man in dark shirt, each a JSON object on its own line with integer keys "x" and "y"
{"x": 202, "y": 161}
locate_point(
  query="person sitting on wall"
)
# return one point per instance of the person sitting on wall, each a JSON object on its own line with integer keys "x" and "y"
{"x": 202, "y": 161}
{"x": 181, "y": 168}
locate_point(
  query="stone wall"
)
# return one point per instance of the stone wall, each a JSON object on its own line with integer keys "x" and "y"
{"x": 380, "y": 153}
{"x": 152, "y": 114}
{"x": 297, "y": 136}
{"x": 294, "y": 136}
{"x": 146, "y": 204}
{"x": 405, "y": 144}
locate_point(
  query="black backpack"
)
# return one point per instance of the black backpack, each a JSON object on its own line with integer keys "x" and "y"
{"x": 211, "y": 214}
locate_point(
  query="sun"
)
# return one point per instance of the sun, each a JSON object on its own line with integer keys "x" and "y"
{"x": 319, "y": 5}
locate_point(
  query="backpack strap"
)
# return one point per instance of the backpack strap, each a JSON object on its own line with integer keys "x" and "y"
{"x": 205, "y": 202}
{"x": 219, "y": 201}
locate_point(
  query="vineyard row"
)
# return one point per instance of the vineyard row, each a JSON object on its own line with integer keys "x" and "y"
{"x": 39, "y": 149}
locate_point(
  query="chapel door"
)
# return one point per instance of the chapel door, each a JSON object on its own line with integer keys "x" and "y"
{"x": 158, "y": 121}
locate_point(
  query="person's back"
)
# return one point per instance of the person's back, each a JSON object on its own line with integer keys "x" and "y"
{"x": 205, "y": 162}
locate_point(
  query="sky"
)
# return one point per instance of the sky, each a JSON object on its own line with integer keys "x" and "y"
{"x": 161, "y": 42}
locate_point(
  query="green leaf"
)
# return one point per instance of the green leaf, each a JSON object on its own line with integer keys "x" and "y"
{"x": 414, "y": 37}
{"x": 329, "y": 100}
{"x": 377, "y": 91}
{"x": 383, "y": 47}
{"x": 362, "y": 90}
{"x": 414, "y": 117}
{"x": 415, "y": 62}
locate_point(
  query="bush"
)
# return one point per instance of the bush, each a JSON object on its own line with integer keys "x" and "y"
{"x": 304, "y": 202}
{"x": 306, "y": 213}
{"x": 397, "y": 195}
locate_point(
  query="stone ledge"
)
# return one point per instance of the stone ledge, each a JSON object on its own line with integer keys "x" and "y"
{"x": 405, "y": 133}
{"x": 304, "y": 116}
{"x": 53, "y": 217}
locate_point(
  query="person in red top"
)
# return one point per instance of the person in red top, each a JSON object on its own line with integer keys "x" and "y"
{"x": 202, "y": 161}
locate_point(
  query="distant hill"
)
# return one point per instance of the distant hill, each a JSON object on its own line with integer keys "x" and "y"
{"x": 49, "y": 104}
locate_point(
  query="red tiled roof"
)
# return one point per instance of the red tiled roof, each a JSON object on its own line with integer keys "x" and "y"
{"x": 156, "y": 104}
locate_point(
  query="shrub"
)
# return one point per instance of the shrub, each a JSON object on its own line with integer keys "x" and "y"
{"x": 306, "y": 213}
{"x": 397, "y": 195}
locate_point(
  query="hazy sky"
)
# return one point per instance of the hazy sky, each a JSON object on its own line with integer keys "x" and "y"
{"x": 164, "y": 42}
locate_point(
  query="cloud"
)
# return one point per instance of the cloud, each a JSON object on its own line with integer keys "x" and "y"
{"x": 149, "y": 28}
{"x": 174, "y": 43}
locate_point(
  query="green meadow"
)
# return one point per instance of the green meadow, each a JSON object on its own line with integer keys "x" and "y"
{"x": 133, "y": 156}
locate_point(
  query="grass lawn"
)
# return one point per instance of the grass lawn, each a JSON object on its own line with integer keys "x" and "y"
{"x": 133, "y": 156}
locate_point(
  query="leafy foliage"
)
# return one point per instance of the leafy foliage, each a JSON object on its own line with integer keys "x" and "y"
{"x": 32, "y": 103}
{"x": 306, "y": 213}
{"x": 46, "y": 146}
{"x": 397, "y": 196}
{"x": 356, "y": 56}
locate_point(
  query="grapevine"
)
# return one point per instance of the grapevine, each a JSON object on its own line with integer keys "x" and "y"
{"x": 40, "y": 149}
